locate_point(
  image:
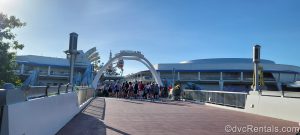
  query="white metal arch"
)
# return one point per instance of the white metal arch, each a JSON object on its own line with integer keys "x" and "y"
{"x": 129, "y": 55}
{"x": 149, "y": 66}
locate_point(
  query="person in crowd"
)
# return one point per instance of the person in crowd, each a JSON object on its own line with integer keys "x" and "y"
{"x": 113, "y": 93}
{"x": 156, "y": 91}
{"x": 141, "y": 89}
{"x": 126, "y": 89}
{"x": 151, "y": 93}
{"x": 166, "y": 91}
{"x": 123, "y": 90}
{"x": 105, "y": 90}
{"x": 117, "y": 90}
{"x": 147, "y": 90}
{"x": 169, "y": 90}
{"x": 130, "y": 90}
{"x": 110, "y": 87}
{"x": 136, "y": 88}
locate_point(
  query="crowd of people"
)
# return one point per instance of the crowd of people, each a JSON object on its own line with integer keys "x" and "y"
{"x": 133, "y": 90}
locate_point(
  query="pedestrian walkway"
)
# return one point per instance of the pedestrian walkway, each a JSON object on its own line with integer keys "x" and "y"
{"x": 88, "y": 122}
{"x": 120, "y": 116}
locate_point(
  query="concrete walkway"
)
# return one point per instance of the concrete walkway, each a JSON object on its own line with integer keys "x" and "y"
{"x": 120, "y": 116}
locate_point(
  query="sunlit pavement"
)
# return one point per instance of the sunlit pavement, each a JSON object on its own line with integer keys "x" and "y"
{"x": 122, "y": 116}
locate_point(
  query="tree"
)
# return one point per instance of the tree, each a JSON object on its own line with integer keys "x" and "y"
{"x": 8, "y": 47}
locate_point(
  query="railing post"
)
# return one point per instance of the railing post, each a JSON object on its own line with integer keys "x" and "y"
{"x": 224, "y": 98}
{"x": 67, "y": 88}
{"x": 237, "y": 101}
{"x": 1, "y": 116}
{"x": 86, "y": 94}
{"x": 222, "y": 101}
{"x": 46, "y": 91}
{"x": 58, "y": 89}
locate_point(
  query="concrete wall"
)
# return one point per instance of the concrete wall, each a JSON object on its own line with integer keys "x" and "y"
{"x": 277, "y": 107}
{"x": 84, "y": 94}
{"x": 44, "y": 116}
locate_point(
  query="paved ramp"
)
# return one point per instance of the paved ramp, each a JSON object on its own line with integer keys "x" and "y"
{"x": 161, "y": 118}
{"x": 88, "y": 122}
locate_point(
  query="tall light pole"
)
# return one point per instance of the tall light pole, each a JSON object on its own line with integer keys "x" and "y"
{"x": 72, "y": 52}
{"x": 256, "y": 61}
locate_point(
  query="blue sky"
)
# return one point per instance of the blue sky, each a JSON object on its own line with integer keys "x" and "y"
{"x": 166, "y": 31}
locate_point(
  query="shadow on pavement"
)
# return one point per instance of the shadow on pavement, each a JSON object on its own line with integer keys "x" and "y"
{"x": 177, "y": 103}
{"x": 116, "y": 130}
{"x": 128, "y": 101}
{"x": 89, "y": 121}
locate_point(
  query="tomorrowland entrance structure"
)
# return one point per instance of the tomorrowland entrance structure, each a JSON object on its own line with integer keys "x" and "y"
{"x": 128, "y": 55}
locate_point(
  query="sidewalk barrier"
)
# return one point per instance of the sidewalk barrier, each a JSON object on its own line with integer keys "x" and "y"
{"x": 20, "y": 110}
{"x": 8, "y": 97}
{"x": 84, "y": 94}
{"x": 232, "y": 99}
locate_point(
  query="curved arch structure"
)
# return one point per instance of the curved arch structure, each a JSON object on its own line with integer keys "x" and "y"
{"x": 129, "y": 55}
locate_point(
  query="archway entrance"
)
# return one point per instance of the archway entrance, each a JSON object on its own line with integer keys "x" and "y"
{"x": 129, "y": 55}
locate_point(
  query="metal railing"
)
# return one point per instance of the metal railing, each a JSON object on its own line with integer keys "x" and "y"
{"x": 33, "y": 92}
{"x": 286, "y": 94}
{"x": 232, "y": 99}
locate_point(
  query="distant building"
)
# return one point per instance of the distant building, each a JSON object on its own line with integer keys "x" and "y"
{"x": 51, "y": 70}
{"x": 228, "y": 74}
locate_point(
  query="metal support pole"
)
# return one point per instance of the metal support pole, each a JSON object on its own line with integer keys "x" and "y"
{"x": 256, "y": 61}
{"x": 58, "y": 89}
{"x": 242, "y": 76}
{"x": 72, "y": 52}
{"x": 256, "y": 78}
{"x": 72, "y": 61}
{"x": 221, "y": 76}
{"x": 221, "y": 85}
{"x": 49, "y": 70}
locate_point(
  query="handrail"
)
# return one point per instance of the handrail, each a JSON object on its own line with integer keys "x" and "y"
{"x": 219, "y": 91}
{"x": 232, "y": 99}
{"x": 285, "y": 94}
{"x": 33, "y": 92}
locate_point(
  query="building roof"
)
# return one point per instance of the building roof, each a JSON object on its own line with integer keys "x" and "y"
{"x": 42, "y": 60}
{"x": 225, "y": 60}
{"x": 81, "y": 61}
{"x": 225, "y": 65}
